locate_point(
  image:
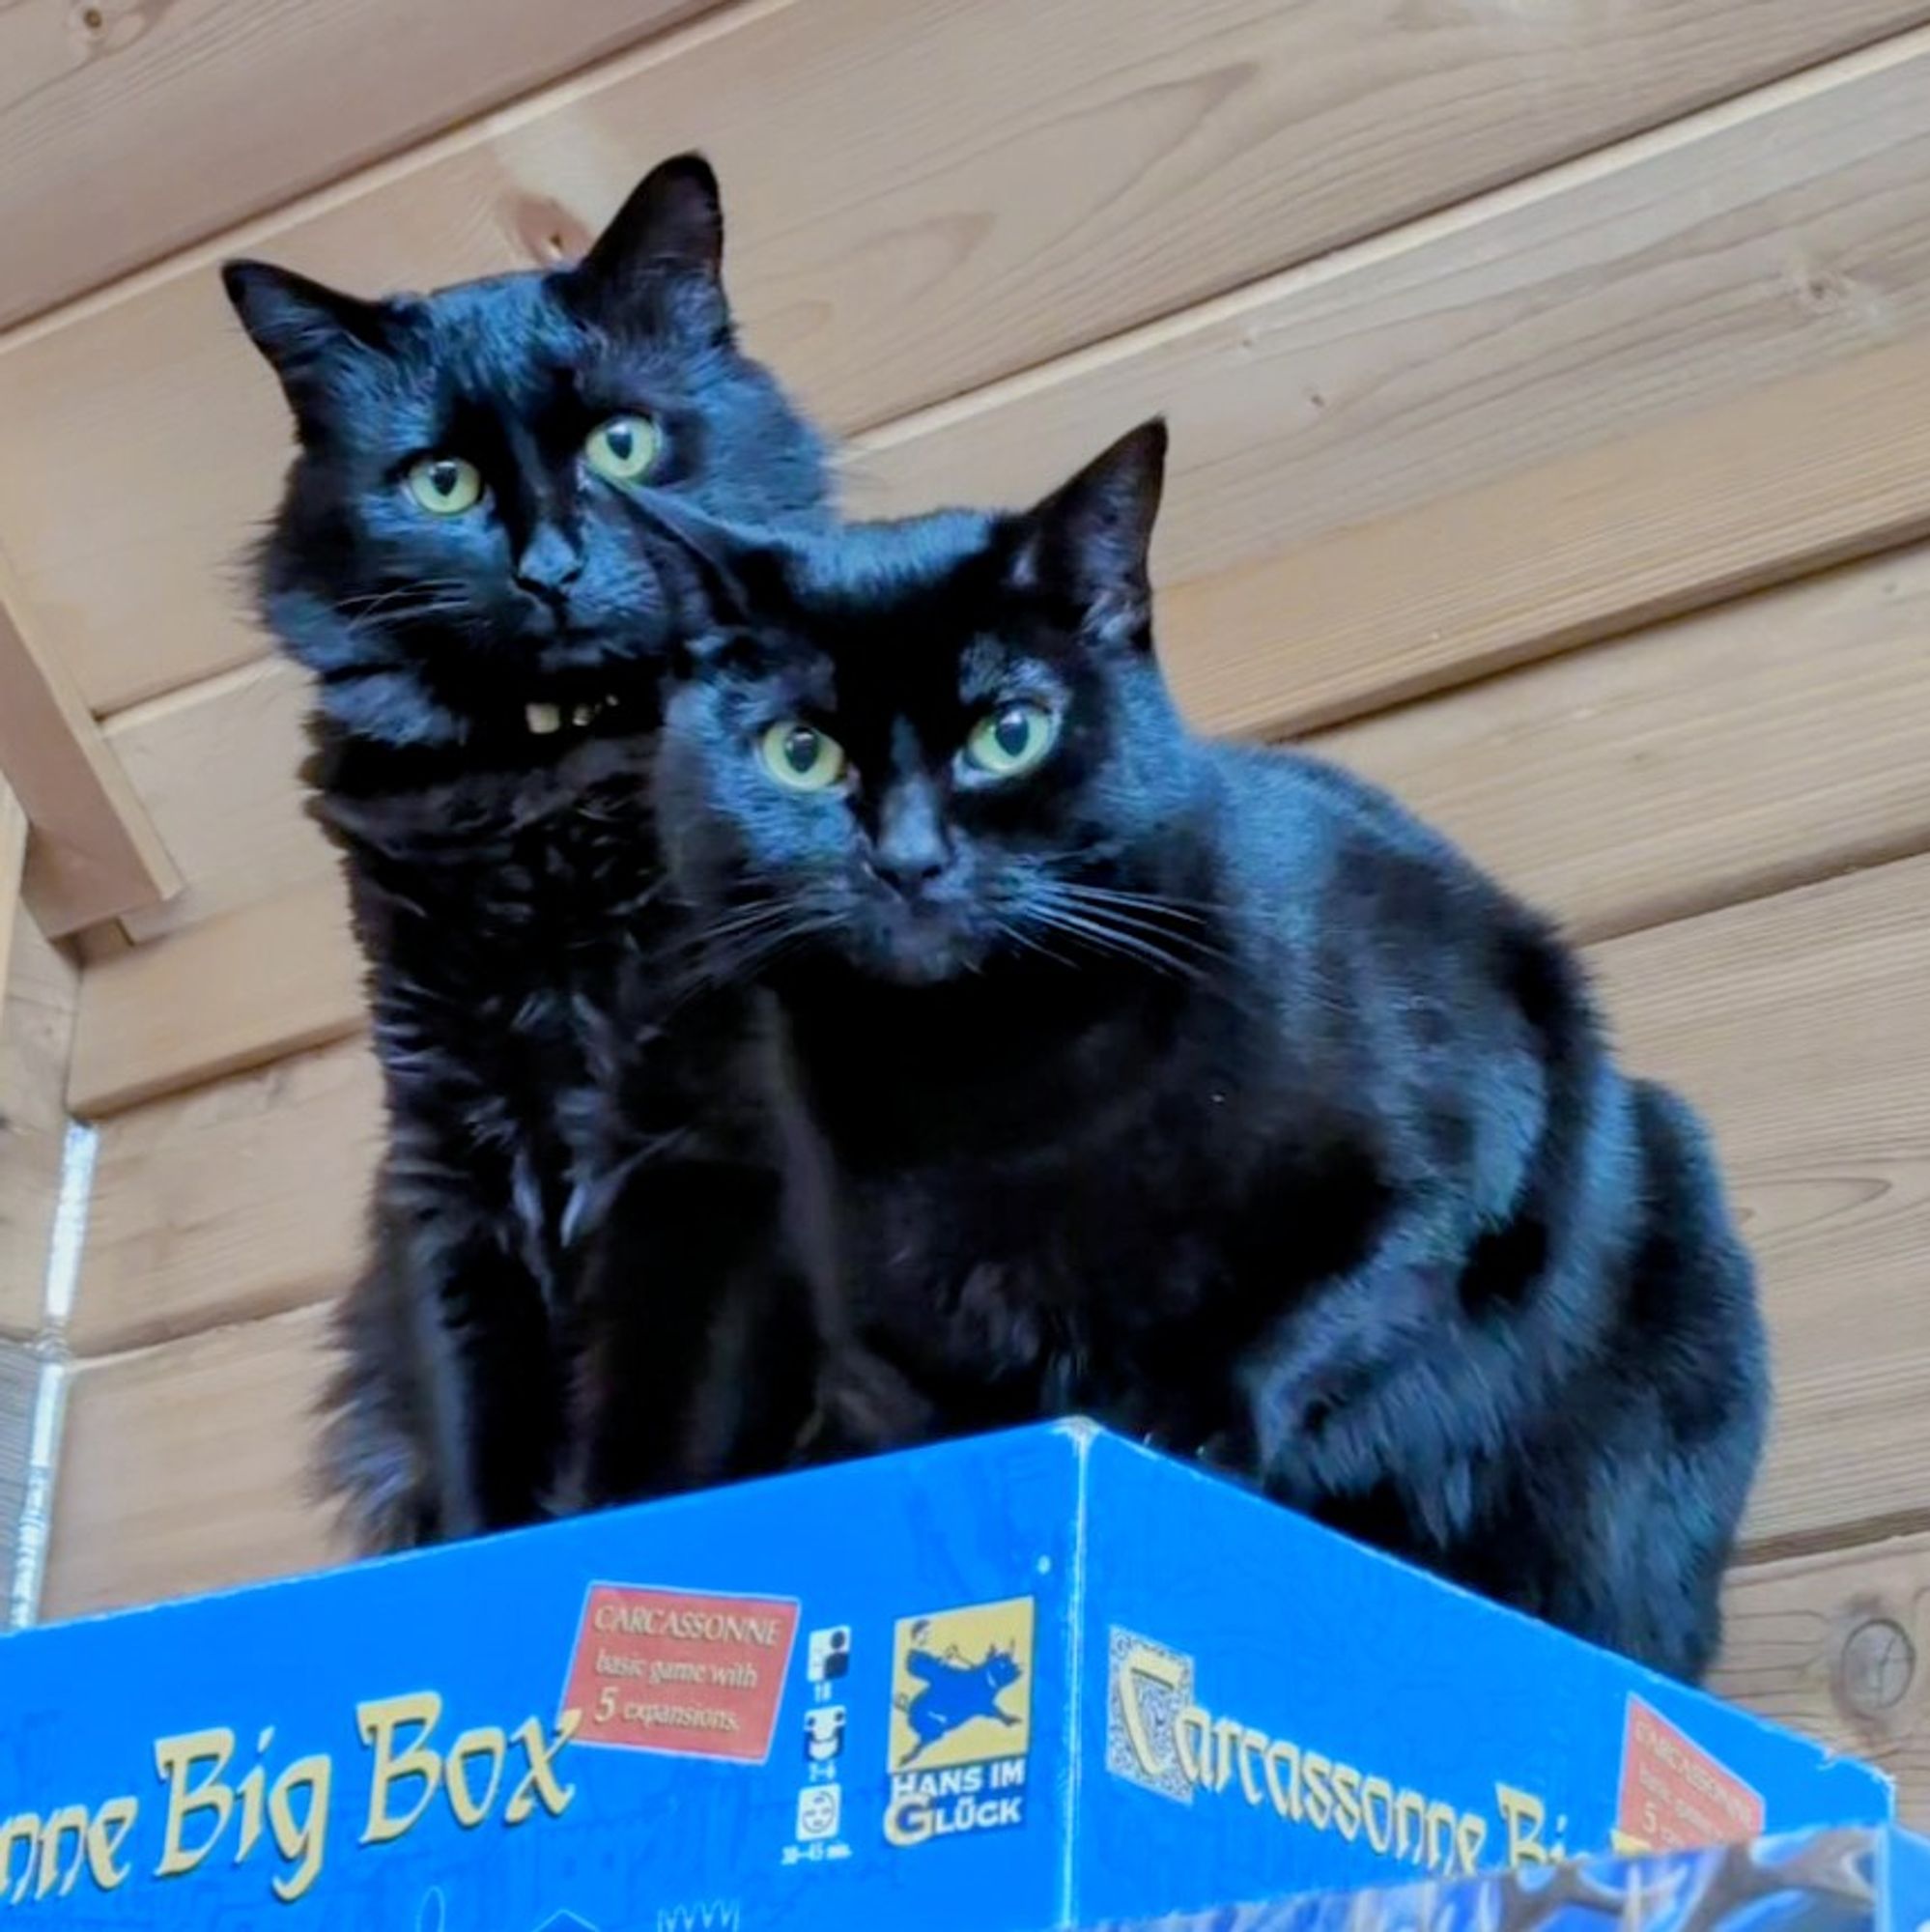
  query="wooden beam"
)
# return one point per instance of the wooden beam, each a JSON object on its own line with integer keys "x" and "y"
{"x": 35, "y": 1042}
{"x": 1838, "y": 1645}
{"x": 12, "y": 870}
{"x": 94, "y": 852}
{"x": 1023, "y": 196}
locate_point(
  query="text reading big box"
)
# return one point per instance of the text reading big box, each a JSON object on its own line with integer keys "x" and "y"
{"x": 1028, "y": 1681}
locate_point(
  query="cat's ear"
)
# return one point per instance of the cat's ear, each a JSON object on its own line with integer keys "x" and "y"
{"x": 1090, "y": 541}
{"x": 300, "y": 324}
{"x": 673, "y": 221}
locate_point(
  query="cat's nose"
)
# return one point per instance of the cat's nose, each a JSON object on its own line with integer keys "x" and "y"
{"x": 549, "y": 565}
{"x": 909, "y": 850}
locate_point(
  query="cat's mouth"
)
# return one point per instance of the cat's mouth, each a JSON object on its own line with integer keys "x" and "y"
{"x": 546, "y": 720}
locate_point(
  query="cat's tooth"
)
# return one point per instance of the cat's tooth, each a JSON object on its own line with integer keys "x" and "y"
{"x": 583, "y": 714}
{"x": 543, "y": 719}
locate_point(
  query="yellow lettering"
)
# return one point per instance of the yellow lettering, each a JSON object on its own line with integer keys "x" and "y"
{"x": 1319, "y": 1803}
{"x": 1442, "y": 1823}
{"x": 105, "y": 1836}
{"x": 300, "y": 1836}
{"x": 1141, "y": 1666}
{"x": 908, "y": 1822}
{"x": 1522, "y": 1815}
{"x": 1347, "y": 1801}
{"x": 1192, "y": 1734}
{"x": 1377, "y": 1791}
{"x": 71, "y": 1818}
{"x": 469, "y": 1809}
{"x": 1469, "y": 1839}
{"x": 1286, "y": 1795}
{"x": 1410, "y": 1826}
{"x": 1252, "y": 1749}
{"x": 540, "y": 1783}
{"x": 379, "y": 1722}
{"x": 24, "y": 1828}
{"x": 1226, "y": 1747}
{"x": 175, "y": 1759}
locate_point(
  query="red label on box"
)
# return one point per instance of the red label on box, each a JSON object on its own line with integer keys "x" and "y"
{"x": 1674, "y": 1795}
{"x": 659, "y": 1670}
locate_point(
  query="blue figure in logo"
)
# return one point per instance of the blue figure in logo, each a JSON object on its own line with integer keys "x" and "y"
{"x": 953, "y": 1690}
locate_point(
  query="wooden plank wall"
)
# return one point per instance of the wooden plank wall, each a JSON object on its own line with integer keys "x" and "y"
{"x": 1550, "y": 390}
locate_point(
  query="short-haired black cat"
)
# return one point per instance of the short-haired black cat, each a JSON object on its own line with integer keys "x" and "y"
{"x": 1196, "y": 1087}
{"x": 485, "y": 617}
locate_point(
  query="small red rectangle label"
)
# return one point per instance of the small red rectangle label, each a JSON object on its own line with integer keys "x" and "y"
{"x": 1674, "y": 1795}
{"x": 663, "y": 1670}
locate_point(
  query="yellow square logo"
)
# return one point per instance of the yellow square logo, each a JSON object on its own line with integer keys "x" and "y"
{"x": 961, "y": 1687}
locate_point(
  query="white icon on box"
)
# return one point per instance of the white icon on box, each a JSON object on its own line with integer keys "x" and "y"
{"x": 820, "y": 1812}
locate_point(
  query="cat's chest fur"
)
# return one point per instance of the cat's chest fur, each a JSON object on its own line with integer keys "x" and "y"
{"x": 504, "y": 913}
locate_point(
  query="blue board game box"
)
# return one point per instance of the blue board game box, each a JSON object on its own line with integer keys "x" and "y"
{"x": 1040, "y": 1680}
{"x": 1827, "y": 1880}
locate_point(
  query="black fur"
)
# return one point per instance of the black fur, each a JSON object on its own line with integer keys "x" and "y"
{"x": 1196, "y": 1087}
{"x": 504, "y": 883}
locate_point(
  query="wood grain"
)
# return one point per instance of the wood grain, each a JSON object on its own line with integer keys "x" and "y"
{"x": 959, "y": 240}
{"x": 1796, "y": 1024}
{"x": 12, "y": 869}
{"x": 1710, "y": 505}
{"x": 1760, "y": 745}
{"x": 94, "y": 850}
{"x": 131, "y": 128}
{"x": 20, "y": 1373}
{"x": 1755, "y": 746}
{"x": 238, "y": 1200}
{"x": 35, "y": 1040}
{"x": 1793, "y": 1021}
{"x": 186, "y": 1468}
{"x": 1838, "y": 1645}
{"x": 278, "y": 977}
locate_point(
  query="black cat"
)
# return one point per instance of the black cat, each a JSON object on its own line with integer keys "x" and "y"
{"x": 485, "y": 621}
{"x": 1196, "y": 1087}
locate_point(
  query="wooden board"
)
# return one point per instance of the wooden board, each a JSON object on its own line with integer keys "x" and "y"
{"x": 185, "y": 1468}
{"x": 962, "y": 240}
{"x": 129, "y": 128}
{"x": 13, "y": 868}
{"x": 1756, "y": 746}
{"x": 36, "y": 1038}
{"x": 275, "y": 978}
{"x": 1709, "y": 505}
{"x": 1791, "y": 1020}
{"x": 94, "y": 852}
{"x": 1838, "y": 1645}
{"x": 21, "y": 1372}
{"x": 237, "y": 1200}
{"x": 1796, "y": 1024}
{"x": 1761, "y": 745}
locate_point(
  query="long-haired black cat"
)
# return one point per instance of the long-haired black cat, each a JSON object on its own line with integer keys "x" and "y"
{"x": 1196, "y": 1087}
{"x": 485, "y": 619}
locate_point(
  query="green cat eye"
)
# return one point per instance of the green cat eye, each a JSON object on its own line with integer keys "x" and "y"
{"x": 445, "y": 486}
{"x": 624, "y": 449}
{"x": 801, "y": 757}
{"x": 1012, "y": 740}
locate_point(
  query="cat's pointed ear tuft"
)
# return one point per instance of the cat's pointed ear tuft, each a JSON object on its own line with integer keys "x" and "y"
{"x": 1090, "y": 540}
{"x": 297, "y": 324}
{"x": 673, "y": 220}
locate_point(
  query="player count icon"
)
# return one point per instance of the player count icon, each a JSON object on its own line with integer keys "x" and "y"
{"x": 829, "y": 1653}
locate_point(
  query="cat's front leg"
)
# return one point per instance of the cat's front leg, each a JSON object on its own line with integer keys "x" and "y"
{"x": 864, "y": 1407}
